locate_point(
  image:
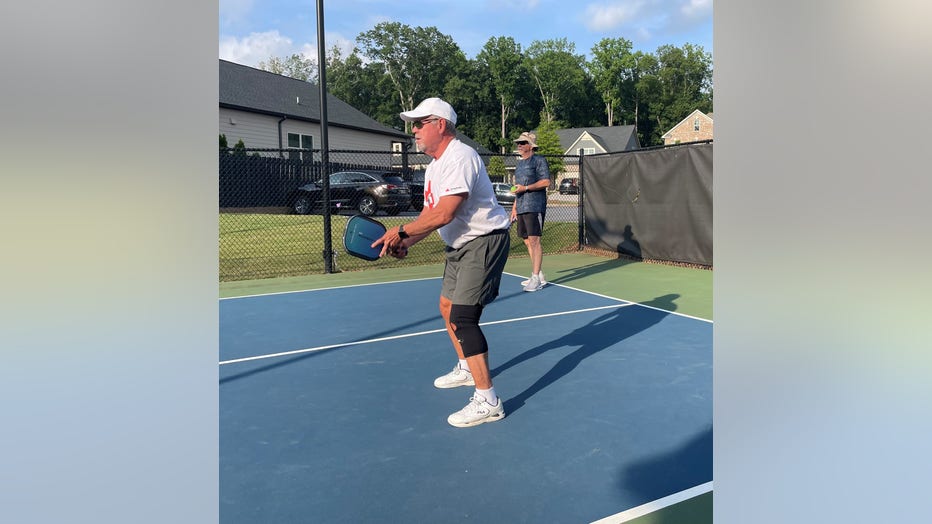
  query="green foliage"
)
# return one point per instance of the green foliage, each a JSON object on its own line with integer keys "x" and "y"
{"x": 507, "y": 89}
{"x": 223, "y": 141}
{"x": 475, "y": 104}
{"x": 294, "y": 66}
{"x": 610, "y": 69}
{"x": 679, "y": 82}
{"x": 418, "y": 62}
{"x": 548, "y": 143}
{"x": 256, "y": 246}
{"x": 496, "y": 167}
{"x": 362, "y": 86}
{"x": 561, "y": 78}
{"x": 240, "y": 148}
{"x": 509, "y": 77}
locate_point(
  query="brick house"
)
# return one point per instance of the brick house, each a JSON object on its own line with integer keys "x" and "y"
{"x": 694, "y": 128}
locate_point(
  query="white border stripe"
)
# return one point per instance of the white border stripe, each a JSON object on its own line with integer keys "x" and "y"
{"x": 396, "y": 337}
{"x": 655, "y": 505}
{"x": 326, "y": 288}
{"x": 620, "y": 299}
{"x": 437, "y": 278}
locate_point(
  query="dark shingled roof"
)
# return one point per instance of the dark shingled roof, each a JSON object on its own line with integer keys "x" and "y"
{"x": 249, "y": 89}
{"x": 611, "y": 138}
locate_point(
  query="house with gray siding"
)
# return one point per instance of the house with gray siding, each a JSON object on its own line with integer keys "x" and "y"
{"x": 270, "y": 111}
{"x": 593, "y": 141}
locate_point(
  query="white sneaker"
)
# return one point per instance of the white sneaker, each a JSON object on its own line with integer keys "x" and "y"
{"x": 542, "y": 281}
{"x": 533, "y": 284}
{"x": 476, "y": 412}
{"x": 457, "y": 377}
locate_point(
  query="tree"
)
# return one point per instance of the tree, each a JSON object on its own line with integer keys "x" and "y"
{"x": 294, "y": 66}
{"x": 360, "y": 86}
{"x": 496, "y": 167}
{"x": 502, "y": 58}
{"x": 679, "y": 82}
{"x": 610, "y": 68}
{"x": 560, "y": 77}
{"x": 239, "y": 149}
{"x": 641, "y": 64}
{"x": 471, "y": 95}
{"x": 548, "y": 143}
{"x": 418, "y": 61}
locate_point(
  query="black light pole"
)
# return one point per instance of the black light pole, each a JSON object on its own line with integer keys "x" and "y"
{"x": 324, "y": 142}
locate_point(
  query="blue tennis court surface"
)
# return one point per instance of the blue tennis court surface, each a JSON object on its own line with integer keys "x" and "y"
{"x": 328, "y": 411}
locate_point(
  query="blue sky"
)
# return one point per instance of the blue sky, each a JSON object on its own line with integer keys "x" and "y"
{"x": 253, "y": 30}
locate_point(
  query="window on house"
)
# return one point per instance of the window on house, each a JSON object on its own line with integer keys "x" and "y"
{"x": 298, "y": 141}
{"x": 397, "y": 147}
{"x": 696, "y": 125}
{"x": 589, "y": 150}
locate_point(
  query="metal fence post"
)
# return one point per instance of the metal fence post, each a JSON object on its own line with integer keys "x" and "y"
{"x": 579, "y": 202}
{"x": 324, "y": 142}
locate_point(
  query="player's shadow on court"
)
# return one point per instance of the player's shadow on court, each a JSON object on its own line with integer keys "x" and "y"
{"x": 568, "y": 275}
{"x": 603, "y": 332}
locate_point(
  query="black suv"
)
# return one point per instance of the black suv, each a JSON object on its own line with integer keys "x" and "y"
{"x": 417, "y": 190}
{"x": 366, "y": 192}
{"x": 569, "y": 186}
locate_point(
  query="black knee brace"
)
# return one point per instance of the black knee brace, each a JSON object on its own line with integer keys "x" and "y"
{"x": 465, "y": 320}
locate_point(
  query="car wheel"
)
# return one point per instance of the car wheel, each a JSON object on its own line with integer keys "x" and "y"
{"x": 367, "y": 206}
{"x": 302, "y": 205}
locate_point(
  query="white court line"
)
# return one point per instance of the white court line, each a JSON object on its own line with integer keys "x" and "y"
{"x": 437, "y": 278}
{"x": 650, "y": 507}
{"x": 396, "y": 337}
{"x": 621, "y": 299}
{"x": 326, "y": 288}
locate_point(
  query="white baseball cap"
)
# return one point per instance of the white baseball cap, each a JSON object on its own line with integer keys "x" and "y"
{"x": 430, "y": 107}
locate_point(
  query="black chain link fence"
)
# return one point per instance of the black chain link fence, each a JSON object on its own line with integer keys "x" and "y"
{"x": 274, "y": 221}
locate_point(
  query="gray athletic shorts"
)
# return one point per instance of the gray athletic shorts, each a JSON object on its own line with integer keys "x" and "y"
{"x": 473, "y": 272}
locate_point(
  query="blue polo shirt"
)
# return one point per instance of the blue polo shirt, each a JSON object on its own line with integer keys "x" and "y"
{"x": 527, "y": 172}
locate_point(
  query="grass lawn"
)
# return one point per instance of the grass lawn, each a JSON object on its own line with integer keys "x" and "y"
{"x": 255, "y": 245}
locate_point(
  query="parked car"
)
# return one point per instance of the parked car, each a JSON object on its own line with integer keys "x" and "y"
{"x": 367, "y": 192}
{"x": 417, "y": 191}
{"x": 503, "y": 193}
{"x": 569, "y": 186}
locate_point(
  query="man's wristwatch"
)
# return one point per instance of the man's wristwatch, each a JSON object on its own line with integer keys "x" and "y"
{"x": 401, "y": 232}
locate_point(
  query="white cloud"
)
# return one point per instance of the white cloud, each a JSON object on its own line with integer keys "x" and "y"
{"x": 609, "y": 15}
{"x": 647, "y": 18}
{"x": 256, "y": 47}
{"x": 259, "y": 47}
{"x": 335, "y": 39}
{"x": 697, "y": 9}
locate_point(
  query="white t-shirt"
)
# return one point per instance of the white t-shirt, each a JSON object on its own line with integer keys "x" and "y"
{"x": 460, "y": 170}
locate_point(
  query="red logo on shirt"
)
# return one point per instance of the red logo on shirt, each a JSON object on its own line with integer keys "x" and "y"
{"x": 429, "y": 196}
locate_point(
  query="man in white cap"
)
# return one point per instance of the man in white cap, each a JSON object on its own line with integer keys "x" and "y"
{"x": 532, "y": 179}
{"x": 460, "y": 203}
